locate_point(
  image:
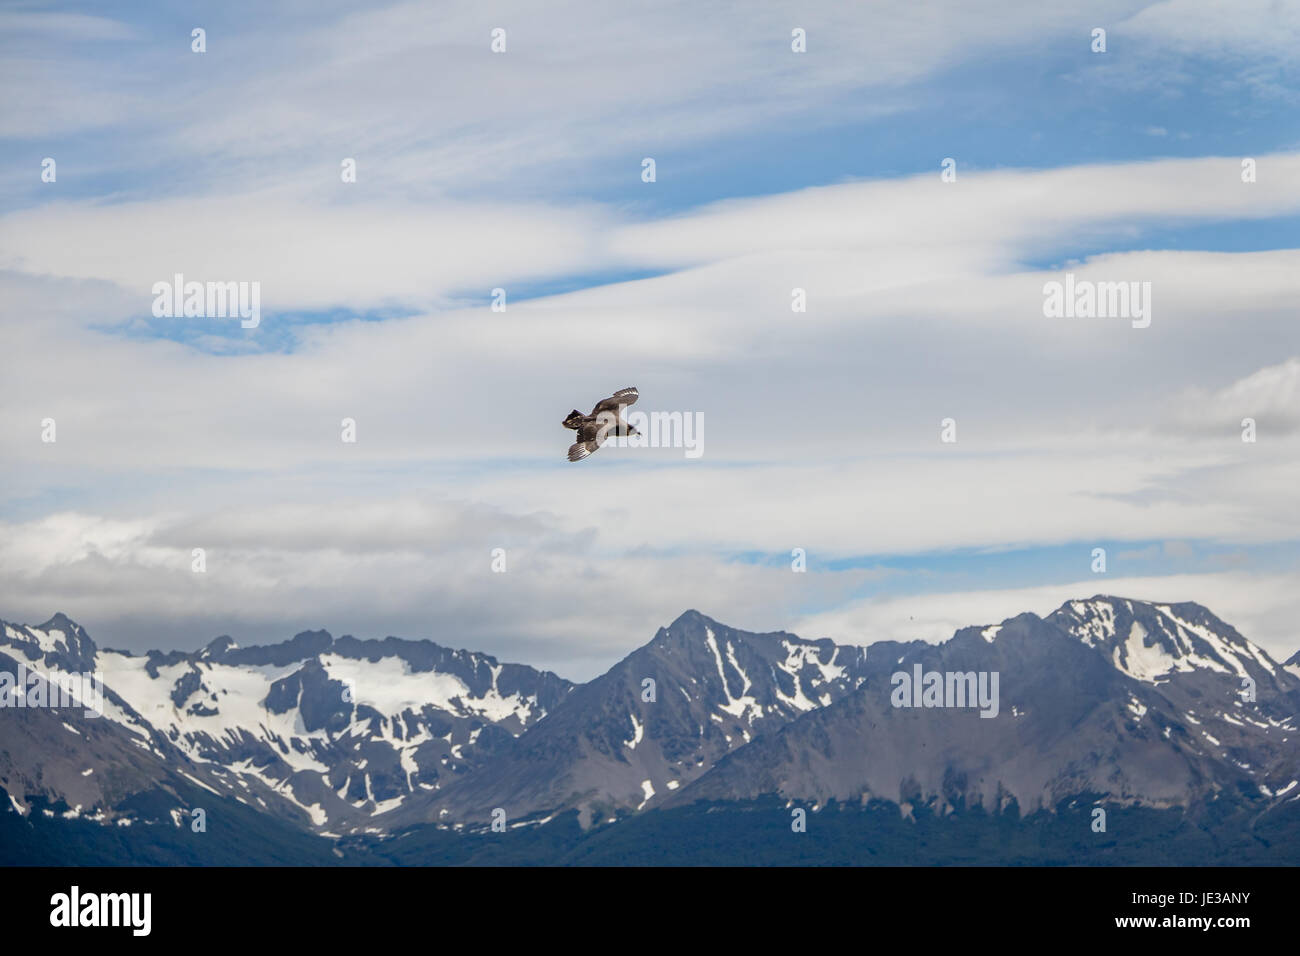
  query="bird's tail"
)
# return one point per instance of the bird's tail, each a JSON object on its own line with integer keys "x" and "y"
{"x": 573, "y": 419}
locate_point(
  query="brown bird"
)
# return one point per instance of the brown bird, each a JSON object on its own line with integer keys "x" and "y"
{"x": 605, "y": 418}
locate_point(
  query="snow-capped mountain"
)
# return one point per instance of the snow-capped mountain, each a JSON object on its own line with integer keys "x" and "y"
{"x": 330, "y": 731}
{"x": 1235, "y": 701}
{"x": 1292, "y": 665}
{"x": 1152, "y": 642}
{"x": 1119, "y": 700}
{"x": 609, "y": 748}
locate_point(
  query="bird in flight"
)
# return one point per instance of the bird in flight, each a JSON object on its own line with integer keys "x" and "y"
{"x": 604, "y": 419}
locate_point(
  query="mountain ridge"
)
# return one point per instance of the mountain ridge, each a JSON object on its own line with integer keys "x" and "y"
{"x": 315, "y": 728}
{"x": 344, "y": 735}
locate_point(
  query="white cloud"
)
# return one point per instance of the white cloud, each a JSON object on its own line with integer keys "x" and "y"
{"x": 821, "y": 428}
{"x": 566, "y": 601}
{"x": 306, "y": 255}
{"x": 1249, "y": 28}
{"x": 1270, "y": 395}
{"x": 414, "y": 87}
{"x": 847, "y": 241}
{"x": 1263, "y": 607}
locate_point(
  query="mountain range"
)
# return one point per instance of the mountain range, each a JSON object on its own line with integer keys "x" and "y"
{"x": 1105, "y": 702}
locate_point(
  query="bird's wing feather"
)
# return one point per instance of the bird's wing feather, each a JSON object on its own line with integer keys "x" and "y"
{"x": 624, "y": 396}
{"x": 580, "y": 450}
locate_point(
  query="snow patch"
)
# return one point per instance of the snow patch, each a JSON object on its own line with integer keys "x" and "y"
{"x": 638, "y": 731}
{"x": 1139, "y": 661}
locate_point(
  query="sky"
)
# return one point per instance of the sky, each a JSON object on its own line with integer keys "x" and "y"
{"x": 522, "y": 170}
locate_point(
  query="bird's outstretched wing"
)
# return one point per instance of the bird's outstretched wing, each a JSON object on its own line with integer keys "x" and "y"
{"x": 624, "y": 396}
{"x": 591, "y": 435}
{"x": 580, "y": 450}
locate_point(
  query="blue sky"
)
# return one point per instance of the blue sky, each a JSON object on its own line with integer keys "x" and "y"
{"x": 522, "y": 170}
